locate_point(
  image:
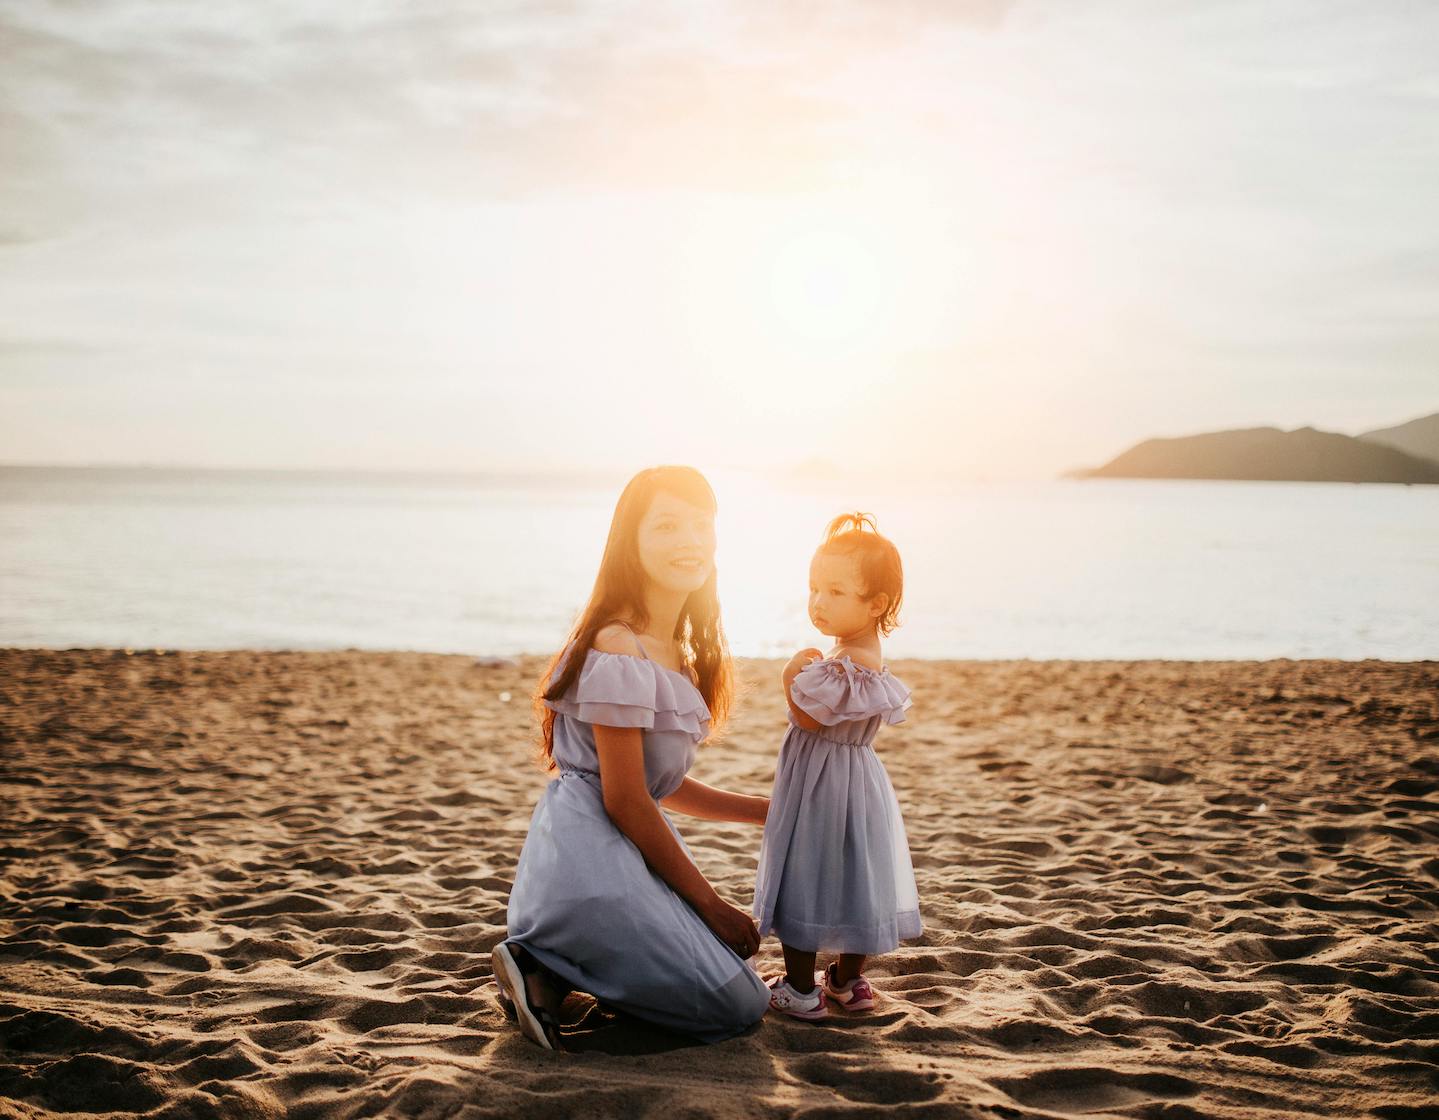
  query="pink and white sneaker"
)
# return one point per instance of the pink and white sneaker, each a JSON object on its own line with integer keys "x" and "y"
{"x": 857, "y": 995}
{"x": 797, "y": 1005}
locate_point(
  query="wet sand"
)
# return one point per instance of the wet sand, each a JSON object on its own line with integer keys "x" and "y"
{"x": 267, "y": 884}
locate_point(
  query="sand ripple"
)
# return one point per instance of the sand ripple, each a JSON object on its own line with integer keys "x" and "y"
{"x": 250, "y": 885}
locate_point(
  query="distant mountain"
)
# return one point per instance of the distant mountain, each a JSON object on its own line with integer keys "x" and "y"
{"x": 1418, "y": 437}
{"x": 1268, "y": 454}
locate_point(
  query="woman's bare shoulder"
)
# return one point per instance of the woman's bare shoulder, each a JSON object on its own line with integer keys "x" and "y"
{"x": 615, "y": 637}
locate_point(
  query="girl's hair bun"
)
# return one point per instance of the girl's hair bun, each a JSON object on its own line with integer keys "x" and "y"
{"x": 856, "y": 534}
{"x": 856, "y": 522}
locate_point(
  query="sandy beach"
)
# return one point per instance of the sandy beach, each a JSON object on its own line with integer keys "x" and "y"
{"x": 267, "y": 884}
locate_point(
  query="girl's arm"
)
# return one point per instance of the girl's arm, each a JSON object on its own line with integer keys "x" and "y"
{"x": 792, "y": 670}
{"x": 628, "y": 803}
{"x": 696, "y": 799}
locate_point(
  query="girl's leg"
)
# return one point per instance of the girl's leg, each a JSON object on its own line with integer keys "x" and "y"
{"x": 799, "y": 968}
{"x": 848, "y": 967}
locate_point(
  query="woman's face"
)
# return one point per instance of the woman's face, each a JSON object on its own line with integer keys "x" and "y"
{"x": 677, "y": 543}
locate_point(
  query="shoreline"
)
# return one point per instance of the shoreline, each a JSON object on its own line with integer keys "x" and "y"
{"x": 501, "y": 660}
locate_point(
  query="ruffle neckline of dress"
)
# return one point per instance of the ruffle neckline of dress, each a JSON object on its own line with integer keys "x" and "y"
{"x": 835, "y": 689}
{"x": 626, "y": 690}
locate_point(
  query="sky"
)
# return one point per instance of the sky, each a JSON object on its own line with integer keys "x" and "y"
{"x": 957, "y": 238}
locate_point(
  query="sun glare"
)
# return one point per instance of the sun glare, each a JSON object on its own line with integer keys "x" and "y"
{"x": 844, "y": 279}
{"x": 825, "y": 286}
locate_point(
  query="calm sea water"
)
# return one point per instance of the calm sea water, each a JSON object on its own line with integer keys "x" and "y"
{"x": 1063, "y": 569}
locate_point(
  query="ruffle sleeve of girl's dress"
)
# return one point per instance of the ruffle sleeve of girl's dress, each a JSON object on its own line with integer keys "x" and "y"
{"x": 835, "y": 691}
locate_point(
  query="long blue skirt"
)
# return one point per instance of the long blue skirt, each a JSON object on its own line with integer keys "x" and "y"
{"x": 588, "y": 907}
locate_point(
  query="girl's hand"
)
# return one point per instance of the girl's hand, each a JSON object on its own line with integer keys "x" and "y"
{"x": 732, "y": 926}
{"x": 796, "y": 665}
{"x": 803, "y": 658}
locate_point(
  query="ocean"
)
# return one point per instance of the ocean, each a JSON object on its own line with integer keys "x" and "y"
{"x": 498, "y": 566}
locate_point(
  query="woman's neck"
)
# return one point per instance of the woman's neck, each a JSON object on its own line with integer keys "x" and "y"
{"x": 663, "y": 608}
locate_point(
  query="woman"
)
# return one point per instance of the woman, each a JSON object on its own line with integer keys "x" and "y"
{"x": 606, "y": 898}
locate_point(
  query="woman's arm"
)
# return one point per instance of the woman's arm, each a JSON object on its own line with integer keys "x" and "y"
{"x": 696, "y": 799}
{"x": 792, "y": 670}
{"x": 628, "y": 803}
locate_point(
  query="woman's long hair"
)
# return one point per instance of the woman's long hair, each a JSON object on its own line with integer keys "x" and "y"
{"x": 619, "y": 595}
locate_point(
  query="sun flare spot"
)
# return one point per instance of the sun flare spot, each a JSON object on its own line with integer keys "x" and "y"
{"x": 825, "y": 286}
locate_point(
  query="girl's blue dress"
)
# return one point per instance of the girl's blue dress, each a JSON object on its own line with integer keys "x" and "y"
{"x": 586, "y": 904}
{"x": 834, "y": 867}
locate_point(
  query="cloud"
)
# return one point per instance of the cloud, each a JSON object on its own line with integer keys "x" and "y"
{"x": 295, "y": 192}
{"x": 41, "y": 347}
{"x": 18, "y": 237}
{"x": 135, "y": 100}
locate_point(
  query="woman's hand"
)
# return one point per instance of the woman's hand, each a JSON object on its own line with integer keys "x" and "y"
{"x": 732, "y": 926}
{"x": 627, "y": 802}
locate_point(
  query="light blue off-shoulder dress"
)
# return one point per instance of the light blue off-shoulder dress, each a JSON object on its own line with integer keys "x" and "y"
{"x": 585, "y": 903}
{"x": 834, "y": 866}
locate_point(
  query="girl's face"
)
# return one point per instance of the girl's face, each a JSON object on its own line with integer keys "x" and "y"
{"x": 677, "y": 543}
{"x": 837, "y": 603}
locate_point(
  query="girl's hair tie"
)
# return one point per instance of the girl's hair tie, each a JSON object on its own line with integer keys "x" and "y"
{"x": 856, "y": 522}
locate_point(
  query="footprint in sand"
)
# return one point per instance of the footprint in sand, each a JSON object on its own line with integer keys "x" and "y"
{"x": 868, "y": 1083}
{"x": 1088, "y": 1089}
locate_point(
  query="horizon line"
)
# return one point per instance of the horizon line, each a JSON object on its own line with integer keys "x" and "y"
{"x": 800, "y": 472}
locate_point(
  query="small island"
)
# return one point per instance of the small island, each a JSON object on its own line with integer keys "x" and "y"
{"x": 1269, "y": 455}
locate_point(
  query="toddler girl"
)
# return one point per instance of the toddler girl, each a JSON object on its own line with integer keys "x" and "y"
{"x": 834, "y": 867}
